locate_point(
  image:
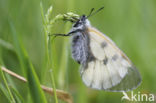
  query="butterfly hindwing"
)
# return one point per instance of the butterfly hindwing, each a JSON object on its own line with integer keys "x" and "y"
{"x": 111, "y": 69}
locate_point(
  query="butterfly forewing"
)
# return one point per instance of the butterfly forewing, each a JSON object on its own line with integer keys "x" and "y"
{"x": 111, "y": 69}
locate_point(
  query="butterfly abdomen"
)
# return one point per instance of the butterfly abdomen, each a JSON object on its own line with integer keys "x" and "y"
{"x": 80, "y": 49}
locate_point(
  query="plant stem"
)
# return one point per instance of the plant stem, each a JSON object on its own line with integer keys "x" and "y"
{"x": 53, "y": 83}
{"x": 48, "y": 50}
{"x": 52, "y": 70}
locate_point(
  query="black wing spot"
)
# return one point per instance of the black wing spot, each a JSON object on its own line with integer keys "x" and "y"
{"x": 105, "y": 61}
{"x": 115, "y": 57}
{"x": 103, "y": 44}
{"x": 91, "y": 58}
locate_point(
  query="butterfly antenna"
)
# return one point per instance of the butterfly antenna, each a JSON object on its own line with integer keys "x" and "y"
{"x": 91, "y": 12}
{"x": 94, "y": 12}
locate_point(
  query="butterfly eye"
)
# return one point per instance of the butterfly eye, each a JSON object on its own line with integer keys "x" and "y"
{"x": 83, "y": 18}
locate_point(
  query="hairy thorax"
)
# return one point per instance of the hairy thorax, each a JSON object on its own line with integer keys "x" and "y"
{"x": 80, "y": 47}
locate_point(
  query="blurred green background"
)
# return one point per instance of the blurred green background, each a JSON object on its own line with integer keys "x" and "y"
{"x": 131, "y": 24}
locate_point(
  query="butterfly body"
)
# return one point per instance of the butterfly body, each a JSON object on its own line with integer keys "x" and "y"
{"x": 103, "y": 64}
{"x": 80, "y": 44}
{"x": 80, "y": 48}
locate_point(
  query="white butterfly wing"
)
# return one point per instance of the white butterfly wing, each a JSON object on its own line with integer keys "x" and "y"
{"x": 111, "y": 70}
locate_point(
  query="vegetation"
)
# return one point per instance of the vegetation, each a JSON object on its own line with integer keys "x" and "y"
{"x": 35, "y": 68}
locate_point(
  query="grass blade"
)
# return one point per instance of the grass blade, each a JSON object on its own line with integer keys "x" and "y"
{"x": 27, "y": 68}
{"x": 5, "y": 92}
{"x": 6, "y": 84}
{"x": 6, "y": 45}
{"x": 18, "y": 97}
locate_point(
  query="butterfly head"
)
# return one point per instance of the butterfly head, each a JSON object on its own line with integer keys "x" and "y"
{"x": 83, "y": 21}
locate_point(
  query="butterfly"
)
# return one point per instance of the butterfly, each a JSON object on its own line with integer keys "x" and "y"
{"x": 103, "y": 65}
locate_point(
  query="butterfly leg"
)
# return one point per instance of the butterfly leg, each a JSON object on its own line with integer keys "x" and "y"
{"x": 69, "y": 34}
